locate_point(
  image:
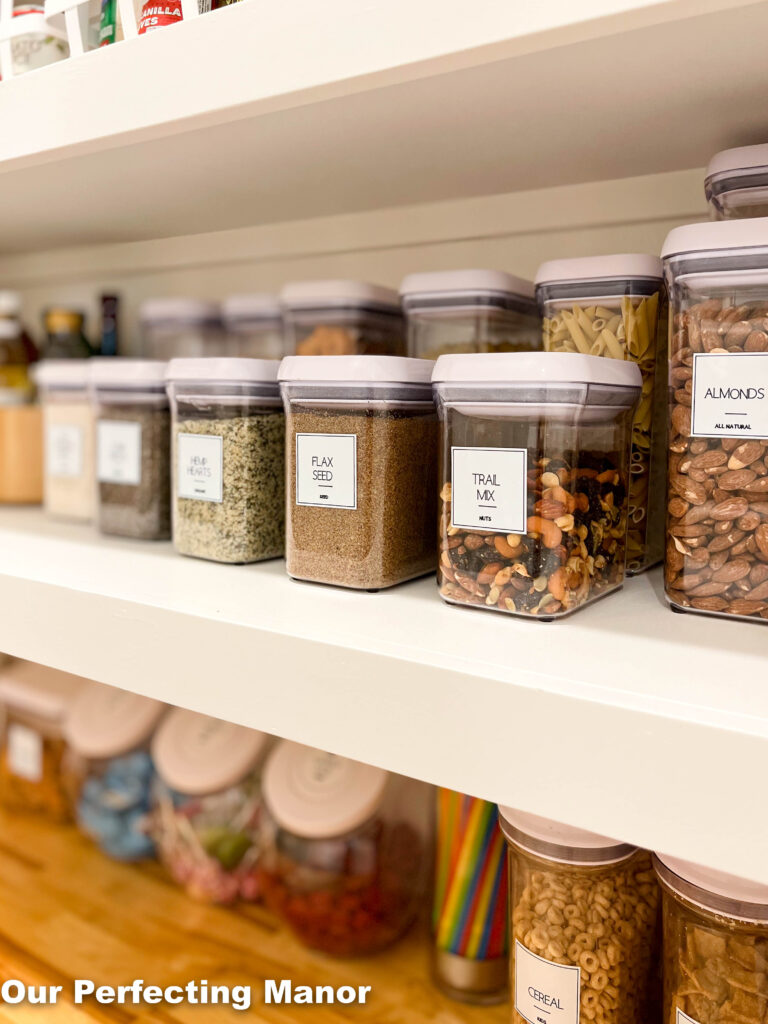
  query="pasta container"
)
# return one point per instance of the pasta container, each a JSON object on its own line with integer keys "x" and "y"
{"x": 717, "y": 512}
{"x": 207, "y": 807}
{"x": 345, "y": 860}
{"x": 469, "y": 311}
{"x": 254, "y": 326}
{"x": 584, "y": 916}
{"x": 736, "y": 184}
{"x": 181, "y": 328}
{"x": 615, "y": 306}
{"x": 361, "y": 469}
{"x": 21, "y": 455}
{"x": 342, "y": 318}
{"x": 69, "y": 489}
{"x": 534, "y": 473}
{"x": 228, "y": 459}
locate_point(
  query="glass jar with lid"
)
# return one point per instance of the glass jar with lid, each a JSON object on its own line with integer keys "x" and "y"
{"x": 254, "y": 326}
{"x": 64, "y": 334}
{"x": 16, "y": 385}
{"x": 10, "y": 310}
{"x": 181, "y": 328}
{"x": 339, "y": 318}
{"x": 736, "y": 183}
{"x": 69, "y": 439}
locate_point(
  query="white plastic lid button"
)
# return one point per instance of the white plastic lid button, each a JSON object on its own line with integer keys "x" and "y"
{"x": 452, "y": 282}
{"x": 356, "y": 369}
{"x": 514, "y": 368}
{"x": 232, "y": 371}
{"x": 618, "y": 267}
{"x": 716, "y": 883}
{"x": 562, "y": 843}
{"x": 105, "y": 722}
{"x": 338, "y": 293}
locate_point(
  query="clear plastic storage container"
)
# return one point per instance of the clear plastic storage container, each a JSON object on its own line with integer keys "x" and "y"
{"x": 346, "y": 860}
{"x": 340, "y": 318}
{"x": 736, "y": 184}
{"x": 109, "y": 768}
{"x": 717, "y": 512}
{"x": 181, "y": 328}
{"x": 254, "y": 326}
{"x": 133, "y": 448}
{"x": 715, "y": 949}
{"x": 584, "y": 917}
{"x": 69, "y": 487}
{"x": 534, "y": 475}
{"x": 207, "y": 818}
{"x": 361, "y": 469}
{"x": 469, "y": 311}
{"x": 615, "y": 306}
{"x": 21, "y": 455}
{"x": 228, "y": 459}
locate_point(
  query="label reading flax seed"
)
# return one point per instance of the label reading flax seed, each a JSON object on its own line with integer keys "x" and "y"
{"x": 545, "y": 993}
{"x": 200, "y": 467}
{"x": 489, "y": 489}
{"x": 326, "y": 470}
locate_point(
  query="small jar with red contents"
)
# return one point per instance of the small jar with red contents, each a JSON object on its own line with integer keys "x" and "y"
{"x": 346, "y": 856}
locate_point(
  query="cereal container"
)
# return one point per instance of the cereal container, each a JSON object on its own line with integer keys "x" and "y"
{"x": 181, "y": 328}
{"x": 69, "y": 487}
{"x": 469, "y": 311}
{"x": 340, "y": 318}
{"x": 207, "y": 814}
{"x": 584, "y": 919}
{"x": 109, "y": 769}
{"x": 736, "y": 184}
{"x": 254, "y": 326}
{"x": 534, "y": 475}
{"x": 228, "y": 459}
{"x": 361, "y": 469}
{"x": 615, "y": 306}
{"x": 715, "y": 946}
{"x": 346, "y": 859}
{"x": 717, "y": 512}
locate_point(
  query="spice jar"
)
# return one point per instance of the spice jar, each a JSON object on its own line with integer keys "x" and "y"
{"x": 207, "y": 814}
{"x": 345, "y": 861}
{"x": 615, "y": 306}
{"x": 109, "y": 769}
{"x": 228, "y": 459}
{"x": 469, "y": 311}
{"x": 584, "y": 917}
{"x": 361, "y": 465}
{"x": 534, "y": 474}
{"x": 715, "y": 947}
{"x": 254, "y": 325}
{"x": 183, "y": 328}
{"x": 69, "y": 439}
{"x": 133, "y": 445}
{"x": 36, "y": 41}
{"x": 717, "y": 514}
{"x": 736, "y": 184}
{"x": 339, "y": 318}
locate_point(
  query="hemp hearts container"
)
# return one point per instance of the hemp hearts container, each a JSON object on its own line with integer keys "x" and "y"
{"x": 361, "y": 469}
{"x": 181, "y": 328}
{"x": 207, "y": 814}
{"x": 736, "y": 184}
{"x": 69, "y": 489}
{"x": 254, "y": 326}
{"x": 469, "y": 311}
{"x": 340, "y": 318}
{"x": 534, "y": 475}
{"x": 346, "y": 859}
{"x": 228, "y": 459}
{"x": 133, "y": 447}
{"x": 615, "y": 306}
{"x": 715, "y": 948}
{"x": 717, "y": 514}
{"x": 584, "y": 918}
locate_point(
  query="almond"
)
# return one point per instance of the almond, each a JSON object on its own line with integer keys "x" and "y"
{"x": 709, "y": 589}
{"x": 677, "y": 507}
{"x": 681, "y": 419}
{"x": 761, "y": 538}
{"x": 697, "y": 513}
{"x": 736, "y": 479}
{"x": 746, "y": 606}
{"x": 756, "y": 342}
{"x": 711, "y": 458}
{"x": 709, "y": 604}
{"x": 760, "y": 592}
{"x": 549, "y": 509}
{"x": 749, "y": 521}
{"x": 731, "y": 508}
{"x": 688, "y": 489}
{"x": 725, "y": 541}
{"x": 745, "y": 454}
{"x": 732, "y": 571}
{"x": 759, "y": 486}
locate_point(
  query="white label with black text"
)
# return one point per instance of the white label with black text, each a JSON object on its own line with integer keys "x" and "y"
{"x": 683, "y": 1018}
{"x": 200, "y": 466}
{"x": 545, "y": 993}
{"x": 326, "y": 470}
{"x": 64, "y": 450}
{"x": 489, "y": 489}
{"x": 118, "y": 458}
{"x": 25, "y": 752}
{"x": 730, "y": 394}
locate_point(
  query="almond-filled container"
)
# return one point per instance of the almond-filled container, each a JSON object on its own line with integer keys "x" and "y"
{"x": 736, "y": 184}
{"x": 69, "y": 467}
{"x": 361, "y": 469}
{"x": 339, "y": 318}
{"x": 534, "y": 473}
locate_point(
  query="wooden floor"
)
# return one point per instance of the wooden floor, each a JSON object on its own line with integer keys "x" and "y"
{"x": 66, "y": 912}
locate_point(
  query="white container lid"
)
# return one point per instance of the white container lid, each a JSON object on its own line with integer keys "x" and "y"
{"x": 335, "y": 293}
{"x": 729, "y": 162}
{"x": 38, "y": 690}
{"x": 451, "y": 282}
{"x": 251, "y": 371}
{"x": 317, "y": 795}
{"x": 181, "y": 310}
{"x": 712, "y": 237}
{"x": 10, "y": 303}
{"x": 117, "y": 372}
{"x": 712, "y": 883}
{"x": 620, "y": 266}
{"x": 197, "y": 755}
{"x": 106, "y": 722}
{"x": 66, "y": 374}
{"x": 258, "y": 306}
{"x": 502, "y": 368}
{"x": 9, "y": 329}
{"x": 356, "y": 369}
{"x": 559, "y": 842}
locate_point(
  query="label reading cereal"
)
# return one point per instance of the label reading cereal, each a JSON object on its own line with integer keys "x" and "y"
{"x": 200, "y": 467}
{"x": 545, "y": 993}
{"x": 489, "y": 489}
{"x": 25, "y": 753}
{"x": 326, "y": 470}
{"x": 730, "y": 394}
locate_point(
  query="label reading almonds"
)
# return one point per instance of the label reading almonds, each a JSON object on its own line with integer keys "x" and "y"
{"x": 545, "y": 993}
{"x": 118, "y": 458}
{"x": 200, "y": 467}
{"x": 729, "y": 395}
{"x": 326, "y": 470}
{"x": 489, "y": 488}
{"x": 683, "y": 1018}
{"x": 64, "y": 450}
{"x": 25, "y": 752}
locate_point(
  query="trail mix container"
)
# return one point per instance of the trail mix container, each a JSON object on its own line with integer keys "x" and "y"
{"x": 717, "y": 514}
{"x": 361, "y": 465}
{"x": 715, "y": 945}
{"x": 584, "y": 918}
{"x": 207, "y": 815}
{"x": 340, "y": 318}
{"x": 534, "y": 475}
{"x": 345, "y": 865}
{"x": 133, "y": 445}
{"x": 228, "y": 459}
{"x": 469, "y": 311}
{"x": 254, "y": 326}
{"x": 69, "y": 439}
{"x": 615, "y": 306}
{"x": 109, "y": 769}
{"x": 181, "y": 328}
{"x": 736, "y": 184}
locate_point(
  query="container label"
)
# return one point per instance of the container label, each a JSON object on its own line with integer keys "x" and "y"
{"x": 489, "y": 489}
{"x": 326, "y": 470}
{"x": 64, "y": 450}
{"x": 200, "y": 467}
{"x": 545, "y": 993}
{"x": 25, "y": 752}
{"x": 730, "y": 394}
{"x": 683, "y": 1018}
{"x": 118, "y": 458}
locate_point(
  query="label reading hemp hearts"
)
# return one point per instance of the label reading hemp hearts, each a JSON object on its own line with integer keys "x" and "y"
{"x": 200, "y": 468}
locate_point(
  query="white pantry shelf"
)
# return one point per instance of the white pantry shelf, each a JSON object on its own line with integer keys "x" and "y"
{"x": 625, "y": 718}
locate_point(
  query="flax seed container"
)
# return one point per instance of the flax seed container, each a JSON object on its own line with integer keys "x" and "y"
{"x": 340, "y": 318}
{"x": 736, "y": 184}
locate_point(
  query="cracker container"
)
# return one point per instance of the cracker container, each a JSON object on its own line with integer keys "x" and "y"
{"x": 181, "y": 328}
{"x": 254, "y": 326}
{"x": 736, "y": 184}
{"x": 69, "y": 489}
{"x": 339, "y": 318}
